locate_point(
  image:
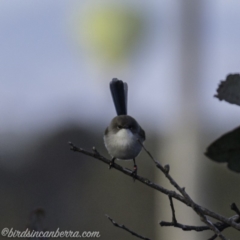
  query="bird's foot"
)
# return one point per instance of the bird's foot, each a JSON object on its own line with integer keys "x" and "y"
{"x": 111, "y": 163}
{"x": 134, "y": 172}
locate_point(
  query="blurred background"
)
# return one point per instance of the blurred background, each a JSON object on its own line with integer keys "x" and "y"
{"x": 57, "y": 59}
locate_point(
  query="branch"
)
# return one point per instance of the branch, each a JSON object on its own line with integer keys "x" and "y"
{"x": 211, "y": 226}
{"x": 174, "y": 220}
{"x": 128, "y": 172}
{"x": 182, "y": 197}
{"x": 236, "y": 209}
{"x": 217, "y": 227}
{"x": 183, "y": 226}
{"x": 222, "y": 226}
{"x": 126, "y": 229}
{"x": 188, "y": 201}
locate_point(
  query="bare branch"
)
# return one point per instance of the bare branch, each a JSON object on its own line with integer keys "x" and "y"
{"x": 126, "y": 229}
{"x": 184, "y": 197}
{"x": 236, "y": 209}
{"x": 188, "y": 201}
{"x": 218, "y": 225}
{"x": 184, "y": 227}
{"x": 211, "y": 226}
{"x": 128, "y": 172}
{"x": 174, "y": 220}
{"x": 217, "y": 228}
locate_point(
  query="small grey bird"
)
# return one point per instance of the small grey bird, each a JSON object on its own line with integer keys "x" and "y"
{"x": 122, "y": 136}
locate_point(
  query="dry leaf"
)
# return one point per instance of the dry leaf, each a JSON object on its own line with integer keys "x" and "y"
{"x": 229, "y": 90}
{"x": 226, "y": 149}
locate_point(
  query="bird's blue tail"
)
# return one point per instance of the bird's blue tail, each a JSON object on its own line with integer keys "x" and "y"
{"x": 119, "y": 91}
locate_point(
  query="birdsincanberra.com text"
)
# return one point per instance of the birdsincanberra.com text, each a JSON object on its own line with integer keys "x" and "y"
{"x": 13, "y": 233}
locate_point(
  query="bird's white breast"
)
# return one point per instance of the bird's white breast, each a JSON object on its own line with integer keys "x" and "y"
{"x": 122, "y": 145}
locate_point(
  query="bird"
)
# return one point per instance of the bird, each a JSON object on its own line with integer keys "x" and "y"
{"x": 124, "y": 136}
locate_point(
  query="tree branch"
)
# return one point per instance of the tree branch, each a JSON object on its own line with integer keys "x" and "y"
{"x": 183, "y": 226}
{"x": 188, "y": 201}
{"x": 174, "y": 220}
{"x": 126, "y": 229}
{"x": 235, "y": 208}
{"x": 182, "y": 197}
{"x": 217, "y": 227}
{"x": 128, "y": 172}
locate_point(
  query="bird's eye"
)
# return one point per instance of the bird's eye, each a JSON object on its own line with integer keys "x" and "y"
{"x": 119, "y": 126}
{"x": 131, "y": 127}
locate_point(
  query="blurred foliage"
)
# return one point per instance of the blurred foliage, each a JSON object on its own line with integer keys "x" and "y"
{"x": 110, "y": 32}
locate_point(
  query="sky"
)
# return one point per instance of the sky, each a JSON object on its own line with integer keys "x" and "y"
{"x": 49, "y": 75}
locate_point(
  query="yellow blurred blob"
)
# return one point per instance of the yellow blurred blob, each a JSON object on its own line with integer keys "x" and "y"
{"x": 110, "y": 32}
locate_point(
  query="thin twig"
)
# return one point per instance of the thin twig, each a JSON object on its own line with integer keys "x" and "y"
{"x": 174, "y": 220}
{"x": 216, "y": 228}
{"x": 188, "y": 201}
{"x": 213, "y": 237}
{"x": 219, "y": 225}
{"x": 184, "y": 227}
{"x": 126, "y": 229}
{"x": 235, "y": 208}
{"x": 203, "y": 216}
{"x": 211, "y": 226}
{"x": 128, "y": 172}
{"x": 184, "y": 198}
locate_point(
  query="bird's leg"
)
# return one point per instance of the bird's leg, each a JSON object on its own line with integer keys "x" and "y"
{"x": 111, "y": 162}
{"x": 134, "y": 172}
